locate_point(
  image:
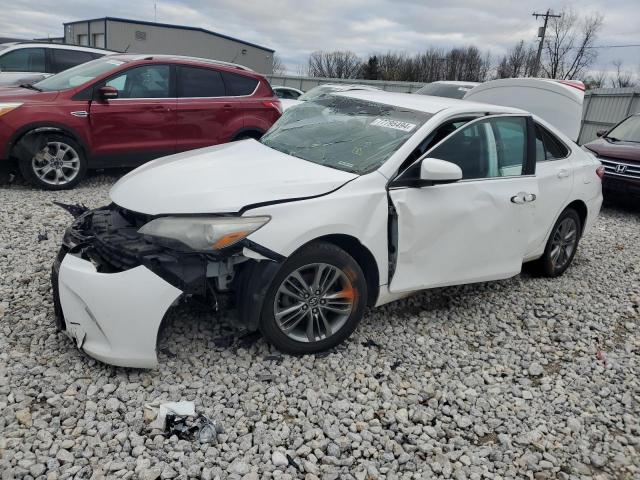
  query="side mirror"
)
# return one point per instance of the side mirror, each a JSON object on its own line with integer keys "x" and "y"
{"x": 434, "y": 171}
{"x": 601, "y": 133}
{"x": 108, "y": 93}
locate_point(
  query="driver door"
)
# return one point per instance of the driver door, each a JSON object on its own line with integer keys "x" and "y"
{"x": 140, "y": 124}
{"x": 478, "y": 228}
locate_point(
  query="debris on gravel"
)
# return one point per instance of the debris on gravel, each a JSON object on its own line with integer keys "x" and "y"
{"x": 523, "y": 378}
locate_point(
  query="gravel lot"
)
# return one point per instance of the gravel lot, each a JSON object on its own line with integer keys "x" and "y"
{"x": 524, "y": 378}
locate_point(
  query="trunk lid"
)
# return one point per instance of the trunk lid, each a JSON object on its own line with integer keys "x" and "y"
{"x": 558, "y": 102}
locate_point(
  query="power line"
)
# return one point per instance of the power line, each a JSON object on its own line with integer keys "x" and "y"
{"x": 613, "y": 46}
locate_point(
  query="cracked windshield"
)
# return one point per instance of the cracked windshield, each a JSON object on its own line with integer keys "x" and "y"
{"x": 344, "y": 133}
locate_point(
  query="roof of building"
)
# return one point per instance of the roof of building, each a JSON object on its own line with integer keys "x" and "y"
{"x": 169, "y": 25}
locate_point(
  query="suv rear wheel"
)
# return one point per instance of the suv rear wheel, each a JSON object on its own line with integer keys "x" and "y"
{"x": 315, "y": 301}
{"x": 52, "y": 162}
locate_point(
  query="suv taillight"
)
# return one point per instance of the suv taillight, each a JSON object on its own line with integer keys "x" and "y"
{"x": 273, "y": 104}
{"x": 600, "y": 171}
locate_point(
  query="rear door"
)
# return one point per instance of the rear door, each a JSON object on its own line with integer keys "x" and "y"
{"x": 138, "y": 125}
{"x": 555, "y": 175}
{"x": 476, "y": 229}
{"x": 206, "y": 115}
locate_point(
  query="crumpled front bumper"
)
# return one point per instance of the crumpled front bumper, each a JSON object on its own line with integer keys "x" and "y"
{"x": 113, "y": 317}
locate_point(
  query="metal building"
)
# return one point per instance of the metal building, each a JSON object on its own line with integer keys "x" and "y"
{"x": 135, "y": 36}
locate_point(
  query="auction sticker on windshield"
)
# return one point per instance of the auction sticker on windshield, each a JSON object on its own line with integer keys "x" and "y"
{"x": 395, "y": 124}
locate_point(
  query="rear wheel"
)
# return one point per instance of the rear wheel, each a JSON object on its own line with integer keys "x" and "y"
{"x": 562, "y": 244}
{"x": 52, "y": 162}
{"x": 315, "y": 301}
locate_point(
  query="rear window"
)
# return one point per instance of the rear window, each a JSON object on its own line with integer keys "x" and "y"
{"x": 200, "y": 82}
{"x": 239, "y": 85}
{"x": 444, "y": 90}
{"x": 548, "y": 147}
{"x": 64, "y": 59}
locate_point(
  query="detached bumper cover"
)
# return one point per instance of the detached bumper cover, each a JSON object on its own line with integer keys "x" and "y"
{"x": 114, "y": 317}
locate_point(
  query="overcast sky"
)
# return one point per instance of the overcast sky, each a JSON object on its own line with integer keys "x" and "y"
{"x": 296, "y": 28}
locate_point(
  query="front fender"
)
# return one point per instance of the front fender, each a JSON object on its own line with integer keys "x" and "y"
{"x": 359, "y": 209}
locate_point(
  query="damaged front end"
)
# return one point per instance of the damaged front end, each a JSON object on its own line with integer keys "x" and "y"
{"x": 113, "y": 282}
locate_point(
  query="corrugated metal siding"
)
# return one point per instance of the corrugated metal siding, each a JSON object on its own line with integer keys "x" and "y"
{"x": 305, "y": 83}
{"x": 604, "y": 107}
{"x": 162, "y": 40}
{"x": 158, "y": 39}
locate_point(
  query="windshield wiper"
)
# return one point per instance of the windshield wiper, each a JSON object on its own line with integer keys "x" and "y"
{"x": 30, "y": 87}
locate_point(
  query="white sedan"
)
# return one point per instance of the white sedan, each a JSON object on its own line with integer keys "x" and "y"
{"x": 351, "y": 200}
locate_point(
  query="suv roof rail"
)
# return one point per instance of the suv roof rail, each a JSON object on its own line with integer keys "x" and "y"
{"x": 204, "y": 60}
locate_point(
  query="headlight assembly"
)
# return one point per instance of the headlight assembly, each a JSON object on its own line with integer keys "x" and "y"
{"x": 204, "y": 233}
{"x": 7, "y": 107}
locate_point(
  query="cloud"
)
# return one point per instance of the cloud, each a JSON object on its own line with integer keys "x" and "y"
{"x": 295, "y": 28}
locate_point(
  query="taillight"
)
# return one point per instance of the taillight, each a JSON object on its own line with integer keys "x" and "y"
{"x": 600, "y": 171}
{"x": 273, "y": 104}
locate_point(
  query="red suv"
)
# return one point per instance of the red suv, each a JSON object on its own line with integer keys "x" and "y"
{"x": 123, "y": 110}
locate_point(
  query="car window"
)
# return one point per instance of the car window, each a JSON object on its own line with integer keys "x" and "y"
{"x": 627, "y": 131}
{"x": 548, "y": 147}
{"x": 287, "y": 94}
{"x": 200, "y": 82}
{"x": 148, "y": 81}
{"x": 239, "y": 85}
{"x": 64, "y": 59}
{"x": 23, "y": 60}
{"x": 489, "y": 148}
{"x": 444, "y": 90}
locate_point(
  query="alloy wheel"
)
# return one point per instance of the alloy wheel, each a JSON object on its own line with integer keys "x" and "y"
{"x": 56, "y": 163}
{"x": 565, "y": 239}
{"x": 313, "y": 302}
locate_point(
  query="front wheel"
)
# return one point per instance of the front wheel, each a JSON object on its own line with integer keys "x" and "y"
{"x": 52, "y": 162}
{"x": 315, "y": 301}
{"x": 562, "y": 244}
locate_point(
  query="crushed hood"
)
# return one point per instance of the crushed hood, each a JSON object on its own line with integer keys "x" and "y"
{"x": 223, "y": 179}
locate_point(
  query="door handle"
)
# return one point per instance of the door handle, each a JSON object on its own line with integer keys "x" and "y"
{"x": 523, "y": 197}
{"x": 519, "y": 198}
{"x": 227, "y": 106}
{"x": 159, "y": 108}
{"x": 563, "y": 173}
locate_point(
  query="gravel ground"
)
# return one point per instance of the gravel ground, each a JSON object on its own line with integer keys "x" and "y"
{"x": 524, "y": 378}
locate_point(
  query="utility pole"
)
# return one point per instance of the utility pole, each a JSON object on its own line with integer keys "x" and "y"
{"x": 541, "y": 33}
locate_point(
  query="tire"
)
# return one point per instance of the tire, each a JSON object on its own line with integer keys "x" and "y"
{"x": 246, "y": 135}
{"x": 344, "y": 300}
{"x": 554, "y": 263}
{"x": 41, "y": 166}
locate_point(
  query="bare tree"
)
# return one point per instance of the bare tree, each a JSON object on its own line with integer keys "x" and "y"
{"x": 338, "y": 64}
{"x": 518, "y": 62}
{"x": 466, "y": 63}
{"x": 278, "y": 65}
{"x": 596, "y": 80}
{"x": 621, "y": 78}
{"x": 568, "y": 46}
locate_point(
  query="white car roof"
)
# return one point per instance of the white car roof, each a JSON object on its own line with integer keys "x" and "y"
{"x": 61, "y": 46}
{"x": 426, "y": 103}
